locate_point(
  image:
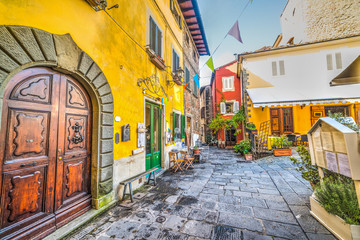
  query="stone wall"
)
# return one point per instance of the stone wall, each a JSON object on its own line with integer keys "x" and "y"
{"x": 327, "y": 19}
{"x": 191, "y": 62}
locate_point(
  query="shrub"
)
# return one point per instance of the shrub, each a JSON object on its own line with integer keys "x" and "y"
{"x": 280, "y": 142}
{"x": 308, "y": 171}
{"x": 339, "y": 117}
{"x": 339, "y": 198}
{"x": 244, "y": 147}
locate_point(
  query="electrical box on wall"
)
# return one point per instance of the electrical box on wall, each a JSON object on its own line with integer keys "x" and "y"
{"x": 125, "y": 136}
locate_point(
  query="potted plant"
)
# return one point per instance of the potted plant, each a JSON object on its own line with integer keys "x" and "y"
{"x": 196, "y": 149}
{"x": 251, "y": 128}
{"x": 281, "y": 146}
{"x": 244, "y": 147}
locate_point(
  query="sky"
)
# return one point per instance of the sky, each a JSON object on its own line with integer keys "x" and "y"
{"x": 259, "y": 26}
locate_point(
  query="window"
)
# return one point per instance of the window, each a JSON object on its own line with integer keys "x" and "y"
{"x": 337, "y": 109}
{"x": 329, "y": 61}
{"x": 281, "y": 120}
{"x": 187, "y": 79}
{"x": 176, "y": 126}
{"x": 155, "y": 37}
{"x": 195, "y": 91}
{"x": 229, "y": 107}
{"x": 228, "y": 83}
{"x": 203, "y": 112}
{"x": 176, "y": 61}
{"x": 275, "y": 70}
{"x": 175, "y": 13}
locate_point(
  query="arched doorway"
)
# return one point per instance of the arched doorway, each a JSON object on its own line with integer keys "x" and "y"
{"x": 45, "y": 154}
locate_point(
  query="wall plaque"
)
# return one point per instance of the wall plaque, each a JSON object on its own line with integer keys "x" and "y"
{"x": 117, "y": 138}
{"x": 125, "y": 136}
{"x": 141, "y": 130}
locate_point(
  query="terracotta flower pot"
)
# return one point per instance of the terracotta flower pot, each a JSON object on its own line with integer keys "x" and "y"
{"x": 248, "y": 157}
{"x": 282, "y": 152}
{"x": 196, "y": 151}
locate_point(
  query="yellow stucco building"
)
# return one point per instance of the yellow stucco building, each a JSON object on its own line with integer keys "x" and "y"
{"x": 88, "y": 93}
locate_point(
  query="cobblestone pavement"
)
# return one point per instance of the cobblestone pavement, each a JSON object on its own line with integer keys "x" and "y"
{"x": 222, "y": 198}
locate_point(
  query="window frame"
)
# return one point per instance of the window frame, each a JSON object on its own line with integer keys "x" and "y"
{"x": 173, "y": 54}
{"x": 227, "y": 81}
{"x": 158, "y": 50}
{"x": 187, "y": 79}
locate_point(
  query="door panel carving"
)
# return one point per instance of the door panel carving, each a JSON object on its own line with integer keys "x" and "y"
{"x": 23, "y": 195}
{"x": 27, "y": 134}
{"x": 45, "y": 161}
{"x": 33, "y": 89}
{"x": 74, "y": 179}
{"x": 75, "y": 97}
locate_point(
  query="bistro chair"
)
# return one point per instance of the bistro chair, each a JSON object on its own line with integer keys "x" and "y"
{"x": 175, "y": 161}
{"x": 292, "y": 138}
{"x": 188, "y": 161}
{"x": 304, "y": 140}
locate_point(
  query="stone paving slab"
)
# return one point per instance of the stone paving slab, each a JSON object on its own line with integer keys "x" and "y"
{"x": 224, "y": 197}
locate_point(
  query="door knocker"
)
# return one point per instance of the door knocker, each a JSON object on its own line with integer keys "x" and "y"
{"x": 77, "y": 136}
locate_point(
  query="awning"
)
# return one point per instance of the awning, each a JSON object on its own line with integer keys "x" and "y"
{"x": 351, "y": 75}
{"x": 320, "y": 102}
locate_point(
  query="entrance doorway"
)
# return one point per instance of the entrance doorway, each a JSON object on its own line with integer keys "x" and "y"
{"x": 45, "y": 155}
{"x": 153, "y": 135}
{"x": 188, "y": 132}
{"x": 230, "y": 137}
{"x": 281, "y": 121}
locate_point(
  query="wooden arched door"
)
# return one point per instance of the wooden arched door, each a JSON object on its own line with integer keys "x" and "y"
{"x": 45, "y": 152}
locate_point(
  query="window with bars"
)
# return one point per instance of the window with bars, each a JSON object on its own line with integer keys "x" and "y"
{"x": 155, "y": 37}
{"x": 175, "y": 61}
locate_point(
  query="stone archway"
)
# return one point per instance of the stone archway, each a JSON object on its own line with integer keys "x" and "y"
{"x": 23, "y": 47}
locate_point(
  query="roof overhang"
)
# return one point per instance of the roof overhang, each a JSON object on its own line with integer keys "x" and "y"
{"x": 351, "y": 75}
{"x": 191, "y": 13}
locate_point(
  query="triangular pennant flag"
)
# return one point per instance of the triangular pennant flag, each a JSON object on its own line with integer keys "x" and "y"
{"x": 186, "y": 85}
{"x": 235, "y": 32}
{"x": 196, "y": 79}
{"x": 210, "y": 64}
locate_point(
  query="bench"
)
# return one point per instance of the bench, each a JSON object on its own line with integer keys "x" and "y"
{"x": 128, "y": 181}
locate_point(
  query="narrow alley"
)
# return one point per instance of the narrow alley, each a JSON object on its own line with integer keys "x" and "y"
{"x": 224, "y": 197}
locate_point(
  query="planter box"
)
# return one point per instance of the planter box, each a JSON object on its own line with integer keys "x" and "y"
{"x": 333, "y": 223}
{"x": 176, "y": 79}
{"x": 282, "y": 152}
{"x": 248, "y": 157}
{"x": 157, "y": 61}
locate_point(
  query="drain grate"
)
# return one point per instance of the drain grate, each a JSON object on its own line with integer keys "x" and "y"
{"x": 226, "y": 233}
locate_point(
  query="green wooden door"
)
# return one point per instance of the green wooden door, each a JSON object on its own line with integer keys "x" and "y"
{"x": 153, "y": 135}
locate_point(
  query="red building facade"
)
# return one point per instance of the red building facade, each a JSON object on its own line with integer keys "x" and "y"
{"x": 226, "y": 92}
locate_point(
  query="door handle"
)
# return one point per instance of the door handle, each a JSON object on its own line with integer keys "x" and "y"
{"x": 28, "y": 165}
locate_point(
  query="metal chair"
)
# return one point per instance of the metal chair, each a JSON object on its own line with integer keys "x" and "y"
{"x": 292, "y": 138}
{"x": 304, "y": 140}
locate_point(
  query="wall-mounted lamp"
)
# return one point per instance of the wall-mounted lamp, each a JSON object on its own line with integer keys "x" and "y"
{"x": 115, "y": 6}
{"x": 177, "y": 77}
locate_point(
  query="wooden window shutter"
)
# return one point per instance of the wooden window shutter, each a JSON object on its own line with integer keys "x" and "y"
{"x": 329, "y": 62}
{"x": 174, "y": 125}
{"x": 274, "y": 68}
{"x": 174, "y": 60}
{"x": 159, "y": 41}
{"x": 275, "y": 120}
{"x": 338, "y": 60}
{"x": 152, "y": 34}
{"x": 231, "y": 83}
{"x": 236, "y": 107}
{"x": 282, "y": 67}
{"x": 183, "y": 134}
{"x": 222, "y": 108}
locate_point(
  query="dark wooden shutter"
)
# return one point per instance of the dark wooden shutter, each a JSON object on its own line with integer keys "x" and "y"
{"x": 275, "y": 120}
{"x": 174, "y": 125}
{"x": 152, "y": 35}
{"x": 187, "y": 78}
{"x": 159, "y": 41}
{"x": 183, "y": 126}
{"x": 174, "y": 60}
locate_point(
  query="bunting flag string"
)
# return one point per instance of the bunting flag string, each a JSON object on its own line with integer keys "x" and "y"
{"x": 196, "y": 79}
{"x": 234, "y": 32}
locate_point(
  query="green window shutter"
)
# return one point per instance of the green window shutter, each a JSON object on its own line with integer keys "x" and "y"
{"x": 183, "y": 126}
{"x": 174, "y": 125}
